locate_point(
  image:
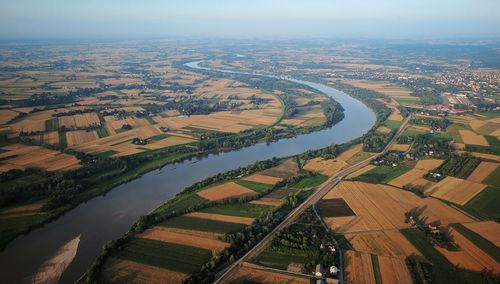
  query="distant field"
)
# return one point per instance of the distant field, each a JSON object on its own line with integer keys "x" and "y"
{"x": 241, "y": 210}
{"x": 192, "y": 223}
{"x": 310, "y": 181}
{"x": 382, "y": 174}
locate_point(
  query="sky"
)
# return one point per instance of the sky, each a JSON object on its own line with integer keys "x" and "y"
{"x": 412, "y": 19}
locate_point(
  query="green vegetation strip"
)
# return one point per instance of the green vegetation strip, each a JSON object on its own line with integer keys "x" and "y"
{"x": 280, "y": 258}
{"x": 493, "y": 178}
{"x": 175, "y": 257}
{"x": 102, "y": 132}
{"x": 485, "y": 245}
{"x": 108, "y": 153}
{"x": 240, "y": 210}
{"x": 255, "y": 186}
{"x": 200, "y": 224}
{"x": 376, "y": 269}
{"x": 181, "y": 202}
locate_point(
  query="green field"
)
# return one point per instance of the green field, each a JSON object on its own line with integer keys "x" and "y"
{"x": 255, "y": 186}
{"x": 107, "y": 154}
{"x": 11, "y": 227}
{"x": 411, "y": 132}
{"x": 382, "y": 174}
{"x": 392, "y": 124}
{"x": 241, "y": 210}
{"x": 175, "y": 257}
{"x": 63, "y": 142}
{"x": 181, "y": 202}
{"x": 200, "y": 224}
{"x": 102, "y": 132}
{"x": 358, "y": 157}
{"x": 376, "y": 269}
{"x": 160, "y": 137}
{"x": 485, "y": 204}
{"x": 311, "y": 181}
{"x": 280, "y": 258}
{"x": 52, "y": 124}
{"x": 150, "y": 120}
{"x": 485, "y": 245}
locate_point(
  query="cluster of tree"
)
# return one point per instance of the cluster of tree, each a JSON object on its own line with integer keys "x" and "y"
{"x": 376, "y": 142}
{"x": 460, "y": 166}
{"x": 428, "y": 144}
{"x": 437, "y": 236}
{"x": 290, "y": 106}
{"x": 434, "y": 123}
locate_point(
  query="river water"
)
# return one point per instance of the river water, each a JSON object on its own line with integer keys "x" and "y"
{"x": 109, "y": 216}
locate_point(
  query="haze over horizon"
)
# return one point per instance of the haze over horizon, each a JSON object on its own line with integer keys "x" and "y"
{"x": 224, "y": 18}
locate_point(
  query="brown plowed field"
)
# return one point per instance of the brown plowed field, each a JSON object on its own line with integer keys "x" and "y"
{"x": 358, "y": 268}
{"x": 250, "y": 274}
{"x": 80, "y": 136}
{"x": 157, "y": 233}
{"x": 284, "y": 170}
{"x": 489, "y": 230}
{"x": 226, "y": 190}
{"x": 408, "y": 177}
{"x": 483, "y": 170}
{"x": 428, "y": 164}
{"x": 389, "y": 243}
{"x": 117, "y": 270}
{"x": 470, "y": 137}
{"x": 394, "y": 271}
{"x": 23, "y": 157}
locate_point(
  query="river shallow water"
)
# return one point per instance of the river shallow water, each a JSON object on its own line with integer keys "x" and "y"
{"x": 109, "y": 216}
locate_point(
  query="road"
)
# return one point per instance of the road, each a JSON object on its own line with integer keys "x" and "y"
{"x": 315, "y": 197}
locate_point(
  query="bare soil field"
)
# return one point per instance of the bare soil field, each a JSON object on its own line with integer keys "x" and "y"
{"x": 428, "y": 164}
{"x": 383, "y": 130}
{"x": 284, "y": 170}
{"x": 394, "y": 271}
{"x": 336, "y": 207}
{"x": 6, "y": 115}
{"x": 469, "y": 256}
{"x": 469, "y": 137}
{"x": 159, "y": 234}
{"x": 275, "y": 198}
{"x": 385, "y": 88}
{"x": 224, "y": 218}
{"x": 483, "y": 170}
{"x": 223, "y": 191}
{"x": 325, "y": 167}
{"x": 250, "y": 273}
{"x": 263, "y": 179}
{"x": 79, "y": 120}
{"x": 490, "y": 157}
{"x": 22, "y": 157}
{"x": 22, "y": 210}
{"x": 390, "y": 243}
{"x": 408, "y": 177}
{"x": 381, "y": 207}
{"x": 117, "y": 270}
{"x": 487, "y": 229}
{"x": 456, "y": 190}
{"x": 423, "y": 183}
{"x": 359, "y": 268}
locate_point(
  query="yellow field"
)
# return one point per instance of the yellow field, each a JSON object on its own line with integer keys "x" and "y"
{"x": 359, "y": 268}
{"x": 263, "y": 179}
{"x": 6, "y": 115}
{"x": 77, "y": 137}
{"x": 400, "y": 147}
{"x": 408, "y": 177}
{"x": 428, "y": 164}
{"x": 487, "y": 229}
{"x": 456, "y": 190}
{"x": 385, "y": 88}
{"x": 331, "y": 166}
{"x": 79, "y": 120}
{"x": 223, "y": 218}
{"x": 223, "y": 191}
{"x": 382, "y": 207}
{"x": 383, "y": 130}
{"x": 470, "y": 137}
{"x": 46, "y": 159}
{"x": 135, "y": 272}
{"x": 394, "y": 271}
{"x": 255, "y": 274}
{"x": 164, "y": 235}
{"x": 390, "y": 243}
{"x": 361, "y": 171}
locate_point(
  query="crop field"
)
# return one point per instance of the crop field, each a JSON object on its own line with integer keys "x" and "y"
{"x": 224, "y": 191}
{"x": 117, "y": 269}
{"x": 382, "y": 207}
{"x": 308, "y": 182}
{"x": 80, "y": 136}
{"x": 200, "y": 224}
{"x": 455, "y": 190}
{"x": 336, "y": 207}
{"x": 385, "y": 88}
{"x": 361, "y": 171}
{"x": 180, "y": 258}
{"x": 79, "y": 120}
{"x": 408, "y": 177}
{"x": 482, "y": 171}
{"x": 284, "y": 170}
{"x": 6, "y": 115}
{"x": 275, "y": 198}
{"x": 384, "y": 130}
{"x": 390, "y": 243}
{"x": 252, "y": 274}
{"x": 359, "y": 268}
{"x": 255, "y": 186}
{"x": 19, "y": 156}
{"x": 171, "y": 236}
{"x": 485, "y": 204}
{"x": 260, "y": 178}
{"x": 469, "y": 137}
{"x": 331, "y": 166}
{"x": 486, "y": 229}
{"x": 400, "y": 147}
{"x": 484, "y": 244}
{"x": 221, "y": 217}
{"x": 394, "y": 270}
{"x": 383, "y": 174}
{"x": 247, "y": 210}
{"x": 428, "y": 164}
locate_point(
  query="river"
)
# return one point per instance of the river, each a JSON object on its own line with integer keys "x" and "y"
{"x": 109, "y": 216}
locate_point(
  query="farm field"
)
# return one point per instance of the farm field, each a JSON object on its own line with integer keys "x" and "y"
{"x": 249, "y": 272}
{"x": 455, "y": 190}
{"x": 331, "y": 166}
{"x": 17, "y": 156}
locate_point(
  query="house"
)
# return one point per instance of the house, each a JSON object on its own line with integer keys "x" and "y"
{"x": 319, "y": 271}
{"x": 334, "y": 269}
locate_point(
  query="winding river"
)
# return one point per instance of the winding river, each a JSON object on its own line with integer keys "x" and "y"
{"x": 107, "y": 217}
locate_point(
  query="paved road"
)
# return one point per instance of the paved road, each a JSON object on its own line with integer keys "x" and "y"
{"x": 315, "y": 197}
